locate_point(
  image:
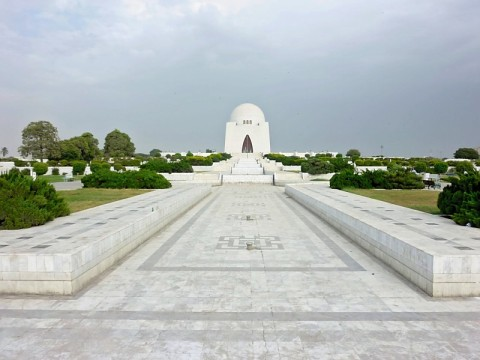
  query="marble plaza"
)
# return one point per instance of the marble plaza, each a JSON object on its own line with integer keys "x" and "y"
{"x": 193, "y": 291}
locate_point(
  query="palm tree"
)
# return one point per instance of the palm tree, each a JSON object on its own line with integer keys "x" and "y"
{"x": 4, "y": 151}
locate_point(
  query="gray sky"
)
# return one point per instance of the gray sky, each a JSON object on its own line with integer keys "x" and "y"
{"x": 328, "y": 74}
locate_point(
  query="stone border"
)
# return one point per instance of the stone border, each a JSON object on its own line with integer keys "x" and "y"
{"x": 68, "y": 271}
{"x": 438, "y": 271}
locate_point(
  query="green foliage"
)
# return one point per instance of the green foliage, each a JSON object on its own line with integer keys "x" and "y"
{"x": 155, "y": 153}
{"x": 353, "y": 153}
{"x": 52, "y": 162}
{"x": 440, "y": 167}
{"x": 142, "y": 179}
{"x": 189, "y": 153}
{"x": 4, "y": 151}
{"x": 219, "y": 157}
{"x": 26, "y": 172}
{"x": 40, "y": 139}
{"x": 130, "y": 162}
{"x": 420, "y": 166}
{"x": 26, "y": 202}
{"x": 40, "y": 168}
{"x": 339, "y": 155}
{"x": 199, "y": 160}
{"x": 118, "y": 144}
{"x": 78, "y": 167}
{"x": 64, "y": 162}
{"x": 285, "y": 160}
{"x": 466, "y": 153}
{"x": 97, "y": 165}
{"x": 20, "y": 163}
{"x": 340, "y": 164}
{"x": 461, "y": 199}
{"x": 462, "y": 167}
{"x": 315, "y": 166}
{"x": 55, "y": 171}
{"x": 398, "y": 178}
{"x": 162, "y": 166}
{"x": 118, "y": 167}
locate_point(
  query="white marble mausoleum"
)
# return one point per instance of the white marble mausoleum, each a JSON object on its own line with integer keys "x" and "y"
{"x": 247, "y": 131}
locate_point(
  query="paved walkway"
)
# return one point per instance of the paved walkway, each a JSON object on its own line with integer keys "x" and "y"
{"x": 194, "y": 292}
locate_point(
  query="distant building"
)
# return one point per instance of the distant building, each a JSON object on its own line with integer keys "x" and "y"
{"x": 247, "y": 131}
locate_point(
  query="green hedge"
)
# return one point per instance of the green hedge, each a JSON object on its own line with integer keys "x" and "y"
{"x": 99, "y": 165}
{"x": 40, "y": 168}
{"x": 199, "y": 160}
{"x": 162, "y": 166}
{"x": 26, "y": 202}
{"x": 78, "y": 167}
{"x": 142, "y": 179}
{"x": 378, "y": 179}
{"x": 461, "y": 199}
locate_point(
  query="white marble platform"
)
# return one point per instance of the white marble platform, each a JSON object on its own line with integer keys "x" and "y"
{"x": 62, "y": 256}
{"x": 440, "y": 257}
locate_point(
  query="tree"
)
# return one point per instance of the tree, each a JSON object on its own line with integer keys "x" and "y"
{"x": 155, "y": 153}
{"x": 118, "y": 144}
{"x": 353, "y": 153}
{"x": 466, "y": 153}
{"x": 4, "y": 151}
{"x": 40, "y": 139}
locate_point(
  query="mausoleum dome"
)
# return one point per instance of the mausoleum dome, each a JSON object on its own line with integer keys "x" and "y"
{"x": 247, "y": 114}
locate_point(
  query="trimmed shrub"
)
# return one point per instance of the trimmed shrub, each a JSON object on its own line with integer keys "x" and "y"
{"x": 78, "y": 167}
{"x": 27, "y": 202}
{"x": 314, "y": 166}
{"x": 464, "y": 167}
{"x": 461, "y": 199}
{"x": 55, "y": 171}
{"x": 420, "y": 166}
{"x": 118, "y": 167}
{"x": 181, "y": 167}
{"x": 26, "y": 172}
{"x": 40, "y": 168}
{"x": 199, "y": 160}
{"x": 440, "y": 167}
{"x": 20, "y": 163}
{"x": 142, "y": 179}
{"x": 97, "y": 165}
{"x": 64, "y": 162}
{"x": 378, "y": 179}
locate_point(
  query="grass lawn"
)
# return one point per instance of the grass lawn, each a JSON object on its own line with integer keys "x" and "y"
{"x": 87, "y": 198}
{"x": 57, "y": 178}
{"x": 422, "y": 200}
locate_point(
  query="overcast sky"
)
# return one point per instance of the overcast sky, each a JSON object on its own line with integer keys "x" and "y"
{"x": 328, "y": 74}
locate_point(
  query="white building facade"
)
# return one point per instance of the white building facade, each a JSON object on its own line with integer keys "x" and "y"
{"x": 247, "y": 131}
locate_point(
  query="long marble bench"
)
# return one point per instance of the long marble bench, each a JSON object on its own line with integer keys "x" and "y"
{"x": 440, "y": 257}
{"x": 62, "y": 256}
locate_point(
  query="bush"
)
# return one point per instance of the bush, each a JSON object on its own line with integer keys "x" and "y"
{"x": 199, "y": 160}
{"x": 27, "y": 202}
{"x": 461, "y": 199}
{"x": 55, "y": 171}
{"x": 314, "y": 166}
{"x": 118, "y": 167}
{"x": 162, "y": 166}
{"x": 440, "y": 167}
{"x": 40, "y": 168}
{"x": 26, "y": 172}
{"x": 20, "y": 163}
{"x": 420, "y": 166}
{"x": 130, "y": 162}
{"x": 463, "y": 167}
{"x": 398, "y": 178}
{"x": 52, "y": 162}
{"x": 143, "y": 179}
{"x": 78, "y": 167}
{"x": 64, "y": 162}
{"x": 99, "y": 165}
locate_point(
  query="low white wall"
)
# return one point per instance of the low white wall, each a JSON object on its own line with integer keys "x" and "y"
{"x": 438, "y": 274}
{"x": 253, "y": 179}
{"x": 65, "y": 272}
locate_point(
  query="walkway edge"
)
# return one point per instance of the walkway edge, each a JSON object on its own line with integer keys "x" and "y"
{"x": 432, "y": 267}
{"x": 67, "y": 272}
